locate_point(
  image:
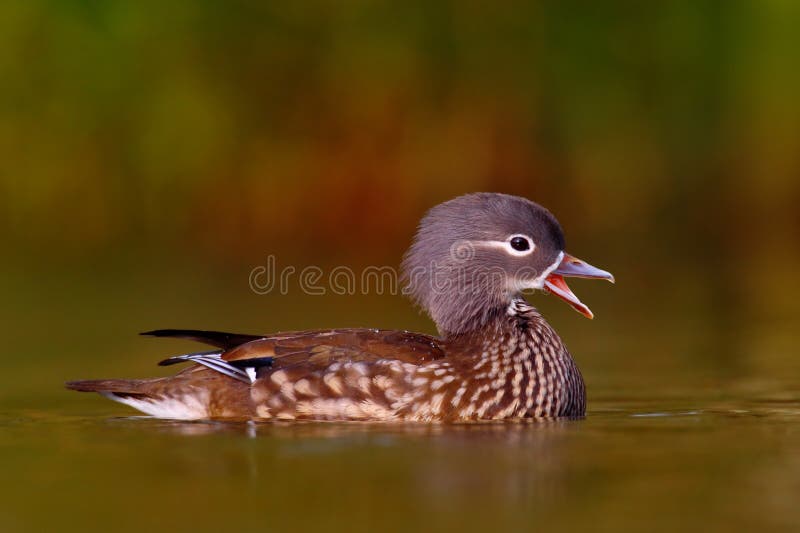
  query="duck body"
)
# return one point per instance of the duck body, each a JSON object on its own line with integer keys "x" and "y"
{"x": 516, "y": 368}
{"x": 496, "y": 357}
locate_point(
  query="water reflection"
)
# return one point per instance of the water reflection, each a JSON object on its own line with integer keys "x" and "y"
{"x": 514, "y": 462}
{"x": 328, "y": 430}
{"x": 731, "y": 461}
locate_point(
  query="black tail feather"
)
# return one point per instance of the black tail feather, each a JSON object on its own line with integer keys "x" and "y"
{"x": 219, "y": 339}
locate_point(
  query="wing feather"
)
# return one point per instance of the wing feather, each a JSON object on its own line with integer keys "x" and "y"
{"x": 305, "y": 351}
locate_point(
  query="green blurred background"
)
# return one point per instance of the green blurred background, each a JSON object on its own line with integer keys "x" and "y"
{"x": 153, "y": 153}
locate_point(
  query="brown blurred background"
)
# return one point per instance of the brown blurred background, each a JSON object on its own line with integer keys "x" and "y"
{"x": 153, "y": 153}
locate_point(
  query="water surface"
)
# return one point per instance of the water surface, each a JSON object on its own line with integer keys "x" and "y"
{"x": 657, "y": 465}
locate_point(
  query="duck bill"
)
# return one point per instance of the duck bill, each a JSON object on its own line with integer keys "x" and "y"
{"x": 573, "y": 267}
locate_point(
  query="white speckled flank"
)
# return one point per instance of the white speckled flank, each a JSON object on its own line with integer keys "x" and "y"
{"x": 520, "y": 369}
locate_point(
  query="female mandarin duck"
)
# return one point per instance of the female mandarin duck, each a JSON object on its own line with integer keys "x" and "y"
{"x": 496, "y": 358}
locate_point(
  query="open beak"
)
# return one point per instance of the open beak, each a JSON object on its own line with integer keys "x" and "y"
{"x": 573, "y": 267}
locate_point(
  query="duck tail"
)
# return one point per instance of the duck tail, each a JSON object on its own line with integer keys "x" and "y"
{"x": 115, "y": 386}
{"x": 148, "y": 396}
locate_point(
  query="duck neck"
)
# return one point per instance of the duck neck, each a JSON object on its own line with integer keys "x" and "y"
{"x": 515, "y": 319}
{"x": 519, "y": 348}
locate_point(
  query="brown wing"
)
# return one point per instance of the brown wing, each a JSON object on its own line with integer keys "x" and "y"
{"x": 318, "y": 349}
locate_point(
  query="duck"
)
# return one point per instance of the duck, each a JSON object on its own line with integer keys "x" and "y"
{"x": 495, "y": 356}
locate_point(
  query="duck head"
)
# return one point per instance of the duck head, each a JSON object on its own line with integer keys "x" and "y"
{"x": 474, "y": 255}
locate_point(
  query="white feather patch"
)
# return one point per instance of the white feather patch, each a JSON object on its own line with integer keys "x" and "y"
{"x": 186, "y": 407}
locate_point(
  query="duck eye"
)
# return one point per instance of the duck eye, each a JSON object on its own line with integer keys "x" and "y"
{"x": 520, "y": 244}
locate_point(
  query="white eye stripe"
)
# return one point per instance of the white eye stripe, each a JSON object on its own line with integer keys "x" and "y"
{"x": 506, "y": 245}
